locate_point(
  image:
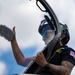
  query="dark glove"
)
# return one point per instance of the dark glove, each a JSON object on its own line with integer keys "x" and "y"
{"x": 6, "y": 32}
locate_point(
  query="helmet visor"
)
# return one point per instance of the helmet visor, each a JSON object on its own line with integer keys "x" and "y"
{"x": 46, "y": 26}
{"x": 45, "y": 29}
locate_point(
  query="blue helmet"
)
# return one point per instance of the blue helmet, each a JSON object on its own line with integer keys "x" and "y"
{"x": 45, "y": 26}
{"x": 65, "y": 37}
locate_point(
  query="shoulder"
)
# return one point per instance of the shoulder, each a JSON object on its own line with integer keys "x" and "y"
{"x": 68, "y": 54}
{"x": 67, "y": 49}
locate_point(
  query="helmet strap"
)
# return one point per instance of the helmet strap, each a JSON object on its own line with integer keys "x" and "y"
{"x": 60, "y": 43}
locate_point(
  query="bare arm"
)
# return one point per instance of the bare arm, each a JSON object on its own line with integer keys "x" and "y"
{"x": 20, "y": 59}
{"x": 16, "y": 50}
{"x": 64, "y": 69}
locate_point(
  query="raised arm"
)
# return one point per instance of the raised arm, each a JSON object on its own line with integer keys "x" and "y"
{"x": 20, "y": 59}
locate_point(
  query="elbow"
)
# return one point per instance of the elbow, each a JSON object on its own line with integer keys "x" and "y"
{"x": 67, "y": 72}
{"x": 19, "y": 63}
{"x": 22, "y": 63}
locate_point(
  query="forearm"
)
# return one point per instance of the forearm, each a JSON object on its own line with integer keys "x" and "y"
{"x": 16, "y": 51}
{"x": 59, "y": 70}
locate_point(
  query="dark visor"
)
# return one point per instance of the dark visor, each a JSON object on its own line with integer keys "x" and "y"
{"x": 46, "y": 26}
{"x": 45, "y": 29}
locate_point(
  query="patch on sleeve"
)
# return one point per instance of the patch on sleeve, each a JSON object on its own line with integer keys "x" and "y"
{"x": 72, "y": 54}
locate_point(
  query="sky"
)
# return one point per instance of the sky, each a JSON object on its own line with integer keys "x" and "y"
{"x": 26, "y": 17}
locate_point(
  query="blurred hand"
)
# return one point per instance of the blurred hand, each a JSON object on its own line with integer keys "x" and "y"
{"x": 14, "y": 37}
{"x": 40, "y": 59}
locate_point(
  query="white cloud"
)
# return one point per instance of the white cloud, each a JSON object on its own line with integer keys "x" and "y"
{"x": 4, "y": 45}
{"x": 3, "y": 68}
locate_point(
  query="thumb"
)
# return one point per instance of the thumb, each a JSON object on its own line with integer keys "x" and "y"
{"x": 14, "y": 29}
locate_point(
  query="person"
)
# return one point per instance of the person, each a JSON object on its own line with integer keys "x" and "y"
{"x": 63, "y": 59}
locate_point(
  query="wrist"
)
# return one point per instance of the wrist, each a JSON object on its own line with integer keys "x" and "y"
{"x": 47, "y": 66}
{"x": 13, "y": 40}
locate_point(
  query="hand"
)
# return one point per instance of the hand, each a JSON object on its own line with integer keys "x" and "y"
{"x": 14, "y": 34}
{"x": 40, "y": 59}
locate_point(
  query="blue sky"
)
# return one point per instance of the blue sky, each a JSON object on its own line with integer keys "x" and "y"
{"x": 26, "y": 17}
{"x": 9, "y": 60}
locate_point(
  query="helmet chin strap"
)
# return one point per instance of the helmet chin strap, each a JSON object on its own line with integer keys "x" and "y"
{"x": 61, "y": 38}
{"x": 60, "y": 43}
